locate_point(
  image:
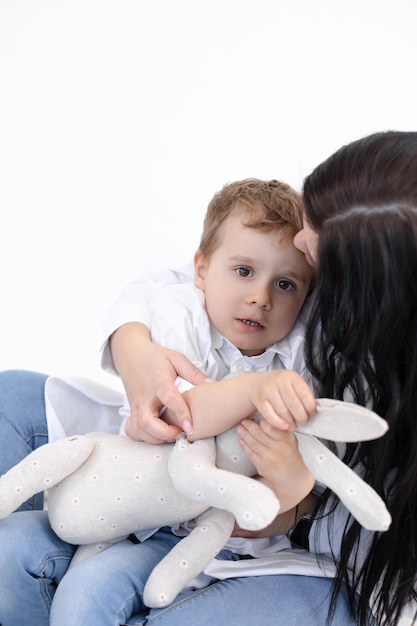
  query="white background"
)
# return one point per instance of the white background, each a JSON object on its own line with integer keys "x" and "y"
{"x": 119, "y": 119}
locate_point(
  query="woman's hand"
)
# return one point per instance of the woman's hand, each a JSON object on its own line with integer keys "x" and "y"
{"x": 148, "y": 373}
{"x": 278, "y": 462}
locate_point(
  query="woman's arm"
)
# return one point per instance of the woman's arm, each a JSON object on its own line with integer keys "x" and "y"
{"x": 148, "y": 373}
{"x": 133, "y": 304}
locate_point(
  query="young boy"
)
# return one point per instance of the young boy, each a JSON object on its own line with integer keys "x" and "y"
{"x": 239, "y": 317}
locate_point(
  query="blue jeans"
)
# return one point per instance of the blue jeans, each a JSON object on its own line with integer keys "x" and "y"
{"x": 106, "y": 590}
{"x": 23, "y": 425}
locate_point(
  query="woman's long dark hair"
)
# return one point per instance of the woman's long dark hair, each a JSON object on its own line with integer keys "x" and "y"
{"x": 362, "y": 341}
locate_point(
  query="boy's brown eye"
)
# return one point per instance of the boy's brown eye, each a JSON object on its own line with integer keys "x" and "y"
{"x": 243, "y": 271}
{"x": 285, "y": 285}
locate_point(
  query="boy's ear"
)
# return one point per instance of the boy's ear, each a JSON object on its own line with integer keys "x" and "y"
{"x": 200, "y": 266}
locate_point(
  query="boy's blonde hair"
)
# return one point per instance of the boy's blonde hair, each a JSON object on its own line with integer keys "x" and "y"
{"x": 266, "y": 206}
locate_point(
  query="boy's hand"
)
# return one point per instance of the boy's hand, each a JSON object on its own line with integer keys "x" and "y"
{"x": 283, "y": 398}
{"x": 277, "y": 459}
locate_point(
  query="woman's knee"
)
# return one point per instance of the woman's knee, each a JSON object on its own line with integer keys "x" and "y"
{"x": 22, "y": 402}
{"x": 27, "y": 542}
{"x": 23, "y": 425}
{"x": 17, "y": 529}
{"x": 24, "y": 383}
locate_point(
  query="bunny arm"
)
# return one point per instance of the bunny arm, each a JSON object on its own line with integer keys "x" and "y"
{"x": 194, "y": 473}
{"x": 188, "y": 558}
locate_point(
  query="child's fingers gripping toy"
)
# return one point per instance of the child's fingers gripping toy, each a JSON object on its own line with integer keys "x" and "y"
{"x": 104, "y": 487}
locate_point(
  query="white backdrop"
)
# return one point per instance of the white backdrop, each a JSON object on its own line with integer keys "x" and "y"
{"x": 120, "y": 118}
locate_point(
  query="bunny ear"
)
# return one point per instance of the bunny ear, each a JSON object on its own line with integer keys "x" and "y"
{"x": 336, "y": 420}
{"x": 361, "y": 500}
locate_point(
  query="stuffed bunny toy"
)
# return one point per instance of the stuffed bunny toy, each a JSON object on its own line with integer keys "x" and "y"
{"x": 103, "y": 487}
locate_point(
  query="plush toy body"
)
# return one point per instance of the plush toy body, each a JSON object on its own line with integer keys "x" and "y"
{"x": 104, "y": 487}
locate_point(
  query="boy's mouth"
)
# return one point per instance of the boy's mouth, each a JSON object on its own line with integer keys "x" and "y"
{"x": 251, "y": 323}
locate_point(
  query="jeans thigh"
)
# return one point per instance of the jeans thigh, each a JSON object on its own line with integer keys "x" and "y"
{"x": 107, "y": 588}
{"x": 281, "y": 600}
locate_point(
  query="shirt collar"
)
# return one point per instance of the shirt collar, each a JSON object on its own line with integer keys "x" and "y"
{"x": 237, "y": 362}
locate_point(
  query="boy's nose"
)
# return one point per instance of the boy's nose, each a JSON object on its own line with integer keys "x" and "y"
{"x": 262, "y": 298}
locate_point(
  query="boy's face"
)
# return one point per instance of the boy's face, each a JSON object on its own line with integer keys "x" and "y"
{"x": 254, "y": 284}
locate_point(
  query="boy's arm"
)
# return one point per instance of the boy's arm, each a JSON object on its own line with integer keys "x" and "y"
{"x": 278, "y": 462}
{"x": 282, "y": 397}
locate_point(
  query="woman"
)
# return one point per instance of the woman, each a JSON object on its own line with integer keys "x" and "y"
{"x": 361, "y": 210}
{"x": 362, "y": 344}
{"x": 362, "y": 336}
{"x": 362, "y": 356}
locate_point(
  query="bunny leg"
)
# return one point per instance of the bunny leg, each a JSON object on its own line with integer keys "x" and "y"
{"x": 188, "y": 558}
{"x": 361, "y": 500}
{"x": 194, "y": 474}
{"x": 41, "y": 469}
